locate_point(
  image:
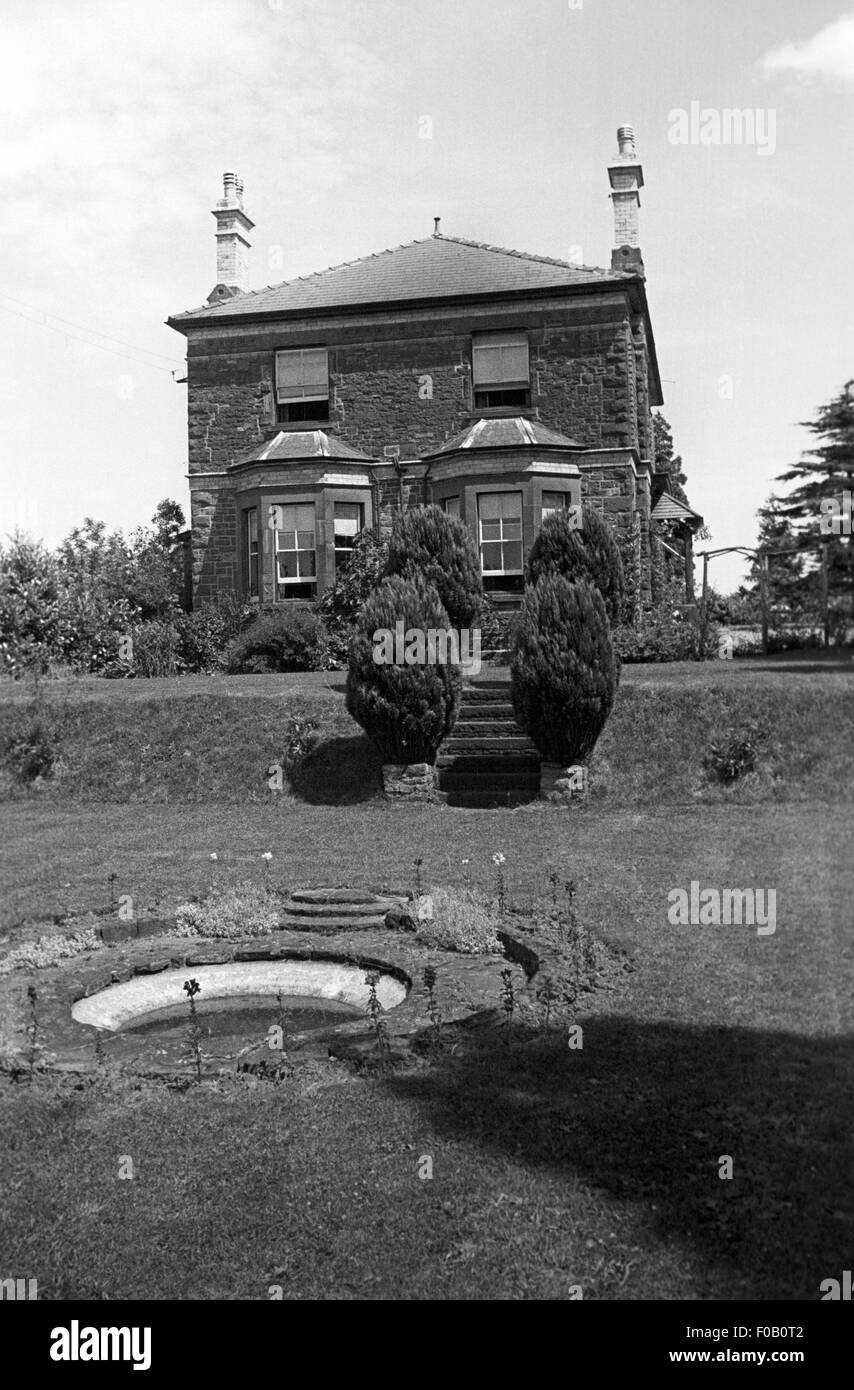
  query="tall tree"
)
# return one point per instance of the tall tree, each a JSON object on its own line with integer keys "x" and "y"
{"x": 823, "y": 475}
{"x": 666, "y": 459}
{"x": 788, "y": 587}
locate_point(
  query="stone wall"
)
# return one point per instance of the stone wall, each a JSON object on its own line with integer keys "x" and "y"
{"x": 402, "y": 380}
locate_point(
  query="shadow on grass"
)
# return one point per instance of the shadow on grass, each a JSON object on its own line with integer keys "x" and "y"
{"x": 339, "y": 772}
{"x": 645, "y": 1113}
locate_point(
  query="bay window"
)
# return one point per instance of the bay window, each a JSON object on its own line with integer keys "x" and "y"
{"x": 251, "y": 552}
{"x": 562, "y": 502}
{"x": 348, "y": 522}
{"x": 295, "y": 550}
{"x": 500, "y": 533}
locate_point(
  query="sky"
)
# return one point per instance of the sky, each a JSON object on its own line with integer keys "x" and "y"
{"x": 352, "y": 123}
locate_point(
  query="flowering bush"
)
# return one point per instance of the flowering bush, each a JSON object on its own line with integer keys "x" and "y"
{"x": 49, "y": 950}
{"x": 463, "y": 920}
{"x": 230, "y": 913}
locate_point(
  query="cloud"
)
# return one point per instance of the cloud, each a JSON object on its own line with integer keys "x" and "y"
{"x": 829, "y": 53}
{"x": 111, "y": 114}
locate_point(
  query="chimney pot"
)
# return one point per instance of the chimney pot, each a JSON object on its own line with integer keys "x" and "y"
{"x": 232, "y": 240}
{"x": 626, "y": 139}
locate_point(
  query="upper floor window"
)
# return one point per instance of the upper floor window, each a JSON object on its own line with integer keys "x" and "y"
{"x": 500, "y": 525}
{"x": 296, "y": 556}
{"x": 302, "y": 385}
{"x": 501, "y": 372}
{"x": 251, "y": 518}
{"x": 349, "y": 520}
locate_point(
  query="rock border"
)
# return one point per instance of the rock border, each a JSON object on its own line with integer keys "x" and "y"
{"x": 468, "y": 985}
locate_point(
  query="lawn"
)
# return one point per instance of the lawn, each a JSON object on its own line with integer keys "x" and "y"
{"x": 551, "y": 1167}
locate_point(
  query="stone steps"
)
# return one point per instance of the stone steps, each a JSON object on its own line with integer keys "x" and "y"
{"x": 520, "y": 763}
{"x": 488, "y": 760}
{"x": 491, "y": 744}
{"x": 491, "y": 781}
{"x": 337, "y": 909}
{"x": 488, "y": 710}
{"x": 485, "y": 726}
{"x": 352, "y": 896}
{"x": 485, "y": 691}
{"x": 368, "y": 908}
{"x": 330, "y": 924}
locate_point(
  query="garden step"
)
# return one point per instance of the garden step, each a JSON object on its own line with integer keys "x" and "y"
{"x": 372, "y": 907}
{"x": 513, "y": 759}
{"x": 453, "y": 782}
{"x": 509, "y": 743}
{"x": 485, "y": 728}
{"x": 487, "y": 709}
{"x": 289, "y": 922}
{"x": 340, "y": 896}
{"x": 486, "y": 691}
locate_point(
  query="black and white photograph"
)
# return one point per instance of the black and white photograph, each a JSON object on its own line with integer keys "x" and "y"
{"x": 426, "y": 672}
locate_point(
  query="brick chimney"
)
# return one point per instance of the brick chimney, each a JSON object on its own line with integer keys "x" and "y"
{"x": 232, "y": 244}
{"x": 626, "y": 176}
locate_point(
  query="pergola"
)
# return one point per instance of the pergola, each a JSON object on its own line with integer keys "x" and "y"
{"x": 762, "y": 554}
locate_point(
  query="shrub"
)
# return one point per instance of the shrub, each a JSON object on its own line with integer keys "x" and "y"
{"x": 230, "y": 913}
{"x": 31, "y": 749}
{"x": 30, "y": 618}
{"x": 284, "y": 639}
{"x": 666, "y": 633}
{"x": 728, "y": 759}
{"x": 589, "y": 553}
{"x": 49, "y": 950}
{"x": 463, "y": 920}
{"x": 352, "y": 587}
{"x": 658, "y": 636}
{"x": 497, "y": 626}
{"x": 429, "y": 544}
{"x": 155, "y": 648}
{"x": 205, "y": 634}
{"x": 405, "y": 710}
{"x": 563, "y": 676}
{"x": 303, "y": 736}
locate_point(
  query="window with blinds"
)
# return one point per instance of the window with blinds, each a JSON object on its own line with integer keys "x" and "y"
{"x": 302, "y": 384}
{"x": 501, "y": 372}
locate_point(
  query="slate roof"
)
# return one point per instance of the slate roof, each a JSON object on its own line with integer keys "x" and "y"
{"x": 302, "y": 444}
{"x": 506, "y": 432}
{"x": 433, "y": 268}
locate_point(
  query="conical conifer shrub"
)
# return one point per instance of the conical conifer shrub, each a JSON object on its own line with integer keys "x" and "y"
{"x": 589, "y": 552}
{"x": 405, "y": 709}
{"x": 432, "y": 545}
{"x": 563, "y": 674}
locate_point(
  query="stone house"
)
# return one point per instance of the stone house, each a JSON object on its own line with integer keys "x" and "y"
{"x": 498, "y": 384}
